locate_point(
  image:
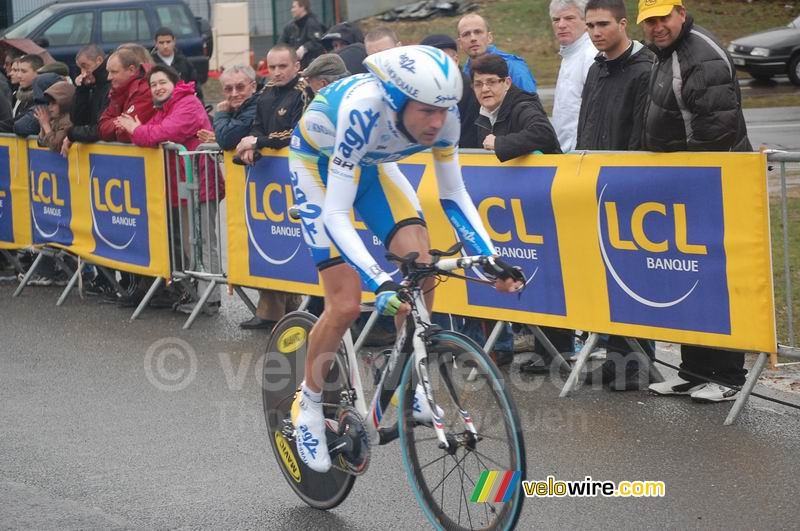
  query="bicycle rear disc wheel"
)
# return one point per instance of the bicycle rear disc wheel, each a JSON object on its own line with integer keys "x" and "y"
{"x": 445, "y": 481}
{"x": 284, "y": 366}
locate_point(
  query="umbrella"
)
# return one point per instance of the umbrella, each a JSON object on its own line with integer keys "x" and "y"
{"x": 27, "y": 46}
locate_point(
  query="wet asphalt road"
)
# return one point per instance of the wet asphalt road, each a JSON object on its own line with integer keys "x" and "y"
{"x": 90, "y": 440}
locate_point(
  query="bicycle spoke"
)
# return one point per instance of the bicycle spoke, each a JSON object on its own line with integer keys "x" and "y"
{"x": 478, "y": 456}
{"x": 442, "y": 458}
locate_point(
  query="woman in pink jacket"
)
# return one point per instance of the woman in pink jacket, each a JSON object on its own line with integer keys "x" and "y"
{"x": 179, "y": 116}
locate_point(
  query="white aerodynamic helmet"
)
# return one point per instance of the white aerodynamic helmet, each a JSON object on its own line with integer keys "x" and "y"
{"x": 420, "y": 73}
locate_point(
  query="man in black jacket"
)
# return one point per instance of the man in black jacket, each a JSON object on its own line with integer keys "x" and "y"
{"x": 511, "y": 121}
{"x": 612, "y": 107}
{"x": 91, "y": 96}
{"x": 166, "y": 52}
{"x": 615, "y": 92}
{"x": 304, "y": 32}
{"x": 278, "y": 109}
{"x": 695, "y": 105}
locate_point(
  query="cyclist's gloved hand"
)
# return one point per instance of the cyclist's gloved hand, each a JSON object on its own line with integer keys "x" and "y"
{"x": 386, "y": 300}
{"x": 502, "y": 271}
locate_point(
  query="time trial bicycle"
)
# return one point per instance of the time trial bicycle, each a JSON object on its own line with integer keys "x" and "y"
{"x": 474, "y": 426}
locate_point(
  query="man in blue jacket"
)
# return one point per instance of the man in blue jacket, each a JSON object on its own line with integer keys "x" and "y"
{"x": 475, "y": 40}
{"x": 236, "y": 113}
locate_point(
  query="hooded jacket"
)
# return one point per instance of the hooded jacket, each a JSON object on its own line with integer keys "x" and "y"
{"x": 521, "y": 127}
{"x": 178, "y": 120}
{"x": 26, "y": 123}
{"x": 694, "y": 98}
{"x": 134, "y": 99}
{"x": 518, "y": 69}
{"x": 306, "y": 31}
{"x": 62, "y": 93}
{"x": 182, "y": 66}
{"x": 614, "y": 100}
{"x": 90, "y": 102}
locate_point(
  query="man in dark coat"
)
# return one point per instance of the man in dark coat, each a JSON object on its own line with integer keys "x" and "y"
{"x": 695, "y": 105}
{"x": 236, "y": 113}
{"x": 347, "y": 41}
{"x": 612, "y": 107}
{"x": 278, "y": 109}
{"x": 512, "y": 122}
{"x": 304, "y": 32}
{"x": 166, "y": 52}
{"x": 615, "y": 92}
{"x": 91, "y": 96}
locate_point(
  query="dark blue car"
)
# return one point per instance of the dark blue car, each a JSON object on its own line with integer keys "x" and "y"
{"x": 64, "y": 27}
{"x": 769, "y": 53}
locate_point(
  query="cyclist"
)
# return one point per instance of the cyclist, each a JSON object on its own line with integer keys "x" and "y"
{"x": 343, "y": 155}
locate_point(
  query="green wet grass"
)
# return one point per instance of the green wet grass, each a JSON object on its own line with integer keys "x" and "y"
{"x": 777, "y": 229}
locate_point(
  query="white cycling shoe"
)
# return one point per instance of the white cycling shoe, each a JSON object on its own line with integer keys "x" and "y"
{"x": 309, "y": 423}
{"x": 422, "y": 411}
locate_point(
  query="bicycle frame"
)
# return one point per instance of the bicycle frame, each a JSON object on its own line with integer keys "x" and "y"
{"x": 402, "y": 354}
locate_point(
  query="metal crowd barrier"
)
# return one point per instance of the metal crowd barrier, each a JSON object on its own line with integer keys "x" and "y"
{"x": 789, "y": 178}
{"x": 194, "y": 185}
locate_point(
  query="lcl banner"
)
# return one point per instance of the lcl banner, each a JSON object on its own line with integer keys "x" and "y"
{"x": 15, "y": 212}
{"x": 105, "y": 203}
{"x": 673, "y": 247}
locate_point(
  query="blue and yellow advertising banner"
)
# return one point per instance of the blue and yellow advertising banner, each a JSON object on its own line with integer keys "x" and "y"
{"x": 105, "y": 203}
{"x": 15, "y": 216}
{"x": 673, "y": 247}
{"x": 120, "y": 207}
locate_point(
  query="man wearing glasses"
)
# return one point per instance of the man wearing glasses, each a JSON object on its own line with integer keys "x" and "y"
{"x": 235, "y": 114}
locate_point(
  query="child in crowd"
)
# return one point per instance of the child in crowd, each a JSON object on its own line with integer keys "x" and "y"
{"x": 54, "y": 119}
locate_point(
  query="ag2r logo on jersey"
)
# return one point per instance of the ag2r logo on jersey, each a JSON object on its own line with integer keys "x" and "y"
{"x": 6, "y": 210}
{"x": 118, "y": 194}
{"x": 663, "y": 249}
{"x": 275, "y": 242}
{"x": 517, "y": 209}
{"x": 51, "y": 204}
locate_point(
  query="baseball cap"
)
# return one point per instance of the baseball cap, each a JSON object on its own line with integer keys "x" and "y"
{"x": 327, "y": 64}
{"x": 656, "y": 8}
{"x": 441, "y": 41}
{"x": 56, "y": 67}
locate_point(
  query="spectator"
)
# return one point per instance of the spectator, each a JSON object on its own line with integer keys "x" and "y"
{"x": 615, "y": 92}
{"x": 476, "y": 40}
{"x": 380, "y": 39}
{"x": 26, "y": 124}
{"x": 272, "y": 129}
{"x": 304, "y": 32}
{"x": 235, "y": 114}
{"x": 323, "y": 71}
{"x": 512, "y": 122}
{"x": 6, "y": 116}
{"x": 179, "y": 116}
{"x": 694, "y": 105}
{"x": 612, "y": 107}
{"x": 347, "y": 41}
{"x": 25, "y": 74}
{"x": 167, "y": 53}
{"x": 139, "y": 51}
{"x": 11, "y": 56}
{"x": 54, "y": 121}
{"x": 577, "y": 56}
{"x": 58, "y": 68}
{"x": 130, "y": 94}
{"x": 91, "y": 96}
{"x": 468, "y": 106}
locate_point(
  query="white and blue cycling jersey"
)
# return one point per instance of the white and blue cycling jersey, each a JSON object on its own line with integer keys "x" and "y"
{"x": 343, "y": 155}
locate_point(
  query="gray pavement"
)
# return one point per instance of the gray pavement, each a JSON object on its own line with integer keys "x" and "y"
{"x": 91, "y": 439}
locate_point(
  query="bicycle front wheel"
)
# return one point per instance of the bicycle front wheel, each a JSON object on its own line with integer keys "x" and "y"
{"x": 456, "y": 486}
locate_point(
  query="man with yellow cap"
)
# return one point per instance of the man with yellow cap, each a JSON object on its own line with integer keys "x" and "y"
{"x": 694, "y": 105}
